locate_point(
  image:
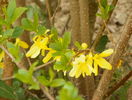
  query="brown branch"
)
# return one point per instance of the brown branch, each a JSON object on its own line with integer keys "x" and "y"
{"x": 102, "y": 29}
{"x": 119, "y": 84}
{"x": 7, "y": 78}
{"x": 20, "y": 67}
{"x": 7, "y": 52}
{"x": 118, "y": 52}
{"x": 49, "y": 10}
{"x": 43, "y": 65}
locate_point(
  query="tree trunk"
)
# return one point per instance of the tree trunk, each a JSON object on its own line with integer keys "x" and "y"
{"x": 75, "y": 20}
{"x": 118, "y": 52}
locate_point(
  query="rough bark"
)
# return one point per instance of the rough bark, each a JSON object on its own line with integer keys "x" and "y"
{"x": 87, "y": 84}
{"x": 75, "y": 20}
{"x": 8, "y": 64}
{"x": 118, "y": 52}
{"x": 93, "y": 7}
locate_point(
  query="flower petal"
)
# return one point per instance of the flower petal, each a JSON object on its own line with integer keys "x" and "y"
{"x": 95, "y": 70}
{"x": 106, "y": 53}
{"x": 48, "y": 57}
{"x": 103, "y": 63}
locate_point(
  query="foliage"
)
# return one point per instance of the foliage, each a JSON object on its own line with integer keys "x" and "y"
{"x": 48, "y": 45}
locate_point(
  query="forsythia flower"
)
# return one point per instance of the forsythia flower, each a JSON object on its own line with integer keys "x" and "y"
{"x": 21, "y": 43}
{"x": 49, "y": 56}
{"x": 40, "y": 43}
{"x": 101, "y": 62}
{"x": 81, "y": 65}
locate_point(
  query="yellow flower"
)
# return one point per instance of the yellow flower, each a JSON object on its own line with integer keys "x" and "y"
{"x": 81, "y": 65}
{"x": 101, "y": 62}
{"x": 49, "y": 56}
{"x": 40, "y": 43}
{"x": 21, "y": 43}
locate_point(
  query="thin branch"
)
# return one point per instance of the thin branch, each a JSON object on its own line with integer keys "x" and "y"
{"x": 48, "y": 7}
{"x": 118, "y": 52}
{"x": 7, "y": 78}
{"x": 43, "y": 65}
{"x": 119, "y": 84}
{"x": 19, "y": 66}
{"x": 27, "y": 58}
{"x": 43, "y": 88}
{"x": 7, "y": 52}
{"x": 101, "y": 31}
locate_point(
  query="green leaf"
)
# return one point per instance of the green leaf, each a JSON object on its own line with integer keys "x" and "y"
{"x": 23, "y": 75}
{"x": 104, "y": 3}
{"x": 36, "y": 19}
{"x": 41, "y": 30}
{"x": 77, "y": 44}
{"x": 15, "y": 51}
{"x": 10, "y": 10}
{"x": 8, "y": 33}
{"x": 68, "y": 92}
{"x": 57, "y": 82}
{"x": 66, "y": 39}
{"x": 43, "y": 80}
{"x": 27, "y": 24}
{"x": 51, "y": 74}
{"x": 6, "y": 91}
{"x": 31, "y": 69}
{"x": 102, "y": 44}
{"x": 55, "y": 33}
{"x": 17, "y": 32}
{"x": 17, "y": 13}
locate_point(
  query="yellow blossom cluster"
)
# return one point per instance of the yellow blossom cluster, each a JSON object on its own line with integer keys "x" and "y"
{"x": 40, "y": 45}
{"x": 88, "y": 64}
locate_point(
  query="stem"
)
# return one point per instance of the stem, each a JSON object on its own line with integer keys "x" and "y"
{"x": 119, "y": 84}
{"x": 101, "y": 31}
{"x": 20, "y": 67}
{"x": 41, "y": 66}
{"x": 118, "y": 52}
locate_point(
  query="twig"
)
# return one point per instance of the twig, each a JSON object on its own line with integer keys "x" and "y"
{"x": 118, "y": 52}
{"x": 27, "y": 58}
{"x": 46, "y": 64}
{"x": 48, "y": 6}
{"x": 32, "y": 94}
{"x": 57, "y": 8}
{"x": 19, "y": 66}
{"x": 119, "y": 84}
{"x": 7, "y": 78}
{"x": 6, "y": 51}
{"x": 43, "y": 88}
{"x": 101, "y": 31}
{"x": 111, "y": 36}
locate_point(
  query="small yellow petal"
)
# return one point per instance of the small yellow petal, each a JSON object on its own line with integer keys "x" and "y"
{"x": 106, "y": 53}
{"x": 33, "y": 52}
{"x": 21, "y": 43}
{"x": 48, "y": 57}
{"x": 84, "y": 46}
{"x": 95, "y": 70}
